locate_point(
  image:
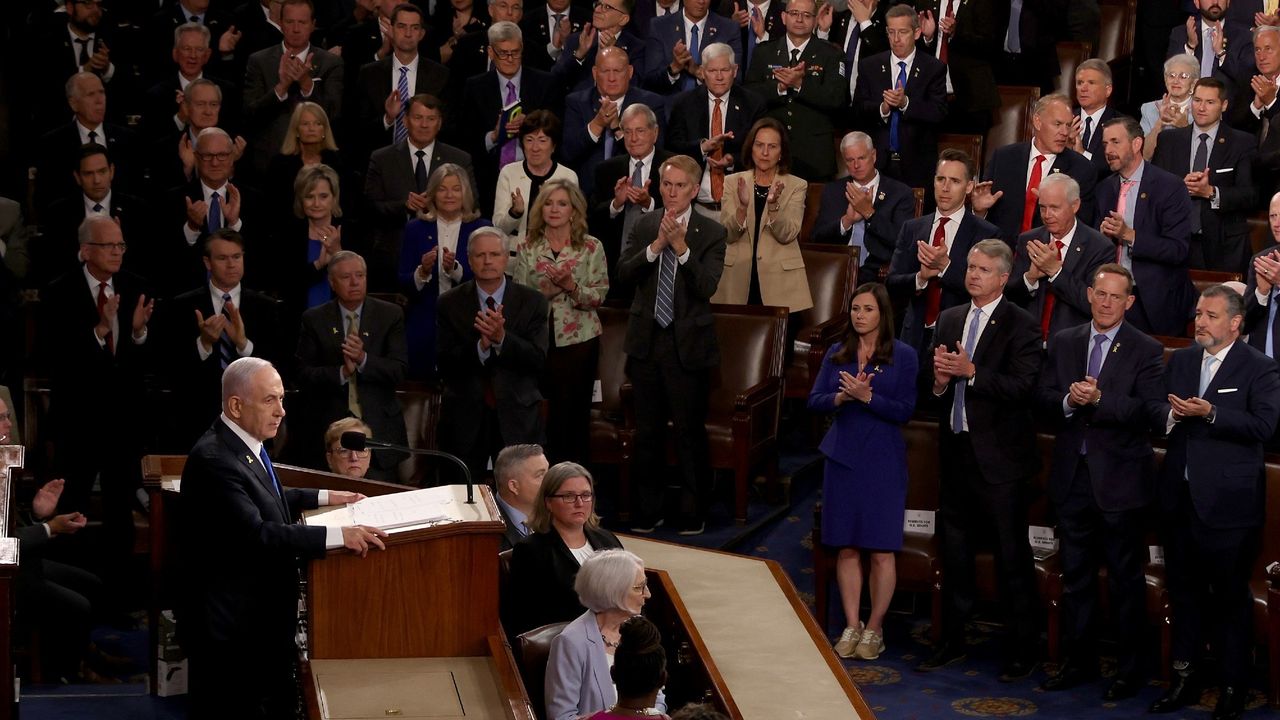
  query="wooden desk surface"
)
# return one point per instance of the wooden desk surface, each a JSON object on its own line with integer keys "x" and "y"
{"x": 771, "y": 653}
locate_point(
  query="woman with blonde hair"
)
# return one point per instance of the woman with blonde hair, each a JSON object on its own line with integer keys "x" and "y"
{"x": 559, "y": 258}
{"x": 308, "y": 142}
{"x": 520, "y": 182}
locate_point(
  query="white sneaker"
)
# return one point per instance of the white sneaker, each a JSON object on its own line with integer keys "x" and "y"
{"x": 848, "y": 641}
{"x": 869, "y": 646}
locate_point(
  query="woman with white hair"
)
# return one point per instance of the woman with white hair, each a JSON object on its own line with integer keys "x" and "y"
{"x": 613, "y": 588}
{"x": 1174, "y": 109}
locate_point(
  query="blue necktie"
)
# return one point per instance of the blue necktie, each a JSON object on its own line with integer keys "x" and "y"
{"x": 957, "y": 406}
{"x": 226, "y": 351}
{"x": 664, "y": 310}
{"x": 896, "y": 114}
{"x": 215, "y": 213}
{"x": 1095, "y": 367}
{"x": 690, "y": 82}
{"x": 1206, "y": 373}
{"x": 851, "y": 50}
{"x": 266, "y": 463}
{"x": 751, "y": 33}
{"x": 402, "y": 89}
{"x": 1270, "y": 346}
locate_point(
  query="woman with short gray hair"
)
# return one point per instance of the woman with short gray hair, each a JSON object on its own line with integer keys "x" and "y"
{"x": 1174, "y": 109}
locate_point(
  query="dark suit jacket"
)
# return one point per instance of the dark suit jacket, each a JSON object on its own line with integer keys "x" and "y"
{"x": 696, "y": 282}
{"x": 196, "y": 384}
{"x": 998, "y": 403}
{"x": 54, "y": 59}
{"x": 918, "y": 125}
{"x": 161, "y": 106}
{"x": 666, "y": 31}
{"x": 1089, "y": 250}
{"x": 1117, "y": 429}
{"x": 808, "y": 113}
{"x": 906, "y": 263}
{"x": 577, "y": 75}
{"x": 375, "y": 84}
{"x": 1238, "y": 64}
{"x": 58, "y": 156}
{"x": 894, "y": 204}
{"x": 183, "y": 264}
{"x": 609, "y": 230}
{"x": 58, "y": 250}
{"x": 1256, "y": 316}
{"x": 1224, "y": 240}
{"x": 583, "y": 154}
{"x": 481, "y": 105}
{"x": 256, "y": 33}
{"x": 690, "y": 122}
{"x": 266, "y": 117}
{"x": 773, "y": 25}
{"x": 644, "y": 12}
{"x": 1160, "y": 249}
{"x": 319, "y": 361}
{"x": 514, "y": 372}
{"x": 242, "y": 545}
{"x": 1222, "y": 460}
{"x": 510, "y": 535}
{"x": 1007, "y": 171}
{"x": 542, "y": 573}
{"x": 470, "y": 58}
{"x": 1094, "y": 148}
{"x": 157, "y": 56}
{"x": 972, "y": 50}
{"x": 537, "y": 35}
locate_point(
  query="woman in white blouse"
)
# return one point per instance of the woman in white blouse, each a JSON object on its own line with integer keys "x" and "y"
{"x": 519, "y": 182}
{"x": 433, "y": 258}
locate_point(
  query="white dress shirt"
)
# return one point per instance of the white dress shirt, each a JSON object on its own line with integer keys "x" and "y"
{"x": 104, "y": 203}
{"x": 193, "y": 235}
{"x": 100, "y": 136}
{"x": 93, "y": 48}
{"x": 447, "y": 232}
{"x": 1066, "y": 245}
{"x": 216, "y": 294}
{"x": 1094, "y": 129}
{"x": 115, "y": 319}
{"x": 303, "y": 56}
{"x": 910, "y": 60}
{"x": 704, "y": 190}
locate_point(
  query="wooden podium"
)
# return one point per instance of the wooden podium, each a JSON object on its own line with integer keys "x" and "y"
{"x": 411, "y": 631}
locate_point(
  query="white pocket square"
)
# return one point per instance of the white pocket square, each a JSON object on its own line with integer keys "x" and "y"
{"x": 1227, "y": 390}
{"x": 1225, "y": 170}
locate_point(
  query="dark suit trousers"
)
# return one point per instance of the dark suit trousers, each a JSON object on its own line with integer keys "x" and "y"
{"x": 1208, "y": 571}
{"x": 1089, "y": 536}
{"x": 248, "y": 682}
{"x": 973, "y": 512}
{"x": 567, "y": 382}
{"x": 664, "y": 389}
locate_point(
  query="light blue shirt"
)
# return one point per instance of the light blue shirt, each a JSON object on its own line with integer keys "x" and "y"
{"x": 518, "y": 519}
{"x": 497, "y": 296}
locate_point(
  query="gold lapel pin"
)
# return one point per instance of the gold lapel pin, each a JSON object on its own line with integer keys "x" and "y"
{"x": 248, "y": 459}
{"x": 880, "y": 196}
{"x": 1142, "y": 196}
{"x": 333, "y": 330}
{"x": 1115, "y": 347}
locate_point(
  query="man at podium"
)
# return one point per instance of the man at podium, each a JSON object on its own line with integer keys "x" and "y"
{"x": 241, "y": 552}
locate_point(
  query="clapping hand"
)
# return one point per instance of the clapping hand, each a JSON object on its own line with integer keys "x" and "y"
{"x": 353, "y": 354}
{"x": 790, "y": 77}
{"x": 45, "y": 502}
{"x": 491, "y": 325}
{"x": 1264, "y": 91}
{"x": 1266, "y": 271}
{"x": 1197, "y": 184}
{"x": 933, "y": 260}
{"x": 1189, "y": 408}
{"x": 982, "y": 198}
{"x": 1044, "y": 259}
{"x": 856, "y": 387}
{"x": 1083, "y": 392}
{"x": 1114, "y": 227}
{"x": 210, "y": 328}
{"x": 101, "y": 59}
{"x": 227, "y": 43}
{"x": 142, "y": 315}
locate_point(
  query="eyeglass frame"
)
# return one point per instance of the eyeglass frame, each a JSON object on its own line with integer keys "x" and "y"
{"x": 574, "y": 498}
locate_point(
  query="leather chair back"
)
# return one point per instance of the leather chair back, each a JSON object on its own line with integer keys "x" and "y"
{"x": 1119, "y": 24}
{"x": 971, "y": 144}
{"x": 1070, "y": 54}
{"x": 812, "y": 203}
{"x": 607, "y": 416}
{"x": 1013, "y": 118}
{"x": 420, "y": 403}
{"x": 535, "y": 648}
{"x": 751, "y": 347}
{"x": 832, "y": 271}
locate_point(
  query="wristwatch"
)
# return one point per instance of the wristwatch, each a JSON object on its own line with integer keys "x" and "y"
{"x": 1213, "y": 414}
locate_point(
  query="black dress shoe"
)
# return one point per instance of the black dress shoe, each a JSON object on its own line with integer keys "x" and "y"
{"x": 1071, "y": 675}
{"x": 1017, "y": 669}
{"x": 1183, "y": 691}
{"x": 1122, "y": 689}
{"x": 945, "y": 655}
{"x": 1231, "y": 702}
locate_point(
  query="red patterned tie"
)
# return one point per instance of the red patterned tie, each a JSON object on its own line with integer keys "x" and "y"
{"x": 933, "y": 292}
{"x": 1029, "y": 203}
{"x": 1049, "y": 298}
{"x": 942, "y": 42}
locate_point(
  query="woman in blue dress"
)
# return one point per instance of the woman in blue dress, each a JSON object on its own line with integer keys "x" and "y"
{"x": 869, "y": 381}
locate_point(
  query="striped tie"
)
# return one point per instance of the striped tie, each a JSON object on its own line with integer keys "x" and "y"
{"x": 353, "y": 392}
{"x": 402, "y": 89}
{"x": 226, "y": 351}
{"x": 664, "y": 312}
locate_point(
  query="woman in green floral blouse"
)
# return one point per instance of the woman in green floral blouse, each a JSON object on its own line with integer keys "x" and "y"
{"x": 559, "y": 258}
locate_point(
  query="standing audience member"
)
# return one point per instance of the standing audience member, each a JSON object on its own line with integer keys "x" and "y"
{"x": 985, "y": 362}
{"x": 451, "y": 21}
{"x": 1219, "y": 44}
{"x": 673, "y": 50}
{"x": 519, "y": 182}
{"x": 351, "y": 356}
{"x": 1101, "y": 391}
{"x": 429, "y": 259}
{"x": 1254, "y": 107}
{"x": 471, "y": 51}
{"x": 308, "y": 142}
{"x": 674, "y": 263}
{"x": 1093, "y": 92}
{"x": 491, "y": 349}
{"x": 1173, "y": 110}
{"x": 318, "y": 212}
{"x": 858, "y": 32}
{"x": 172, "y": 158}
{"x": 1224, "y": 400}
{"x": 567, "y": 265}
{"x": 386, "y": 84}
{"x": 865, "y": 210}
{"x": 517, "y": 473}
{"x": 869, "y": 381}
{"x": 610, "y": 26}
{"x": 967, "y": 36}
{"x": 566, "y": 531}
{"x": 188, "y": 45}
{"x": 1262, "y": 288}
{"x": 58, "y": 150}
{"x": 763, "y": 210}
{"x": 341, "y": 461}
{"x": 79, "y": 44}
{"x": 608, "y": 662}
{"x": 547, "y": 28}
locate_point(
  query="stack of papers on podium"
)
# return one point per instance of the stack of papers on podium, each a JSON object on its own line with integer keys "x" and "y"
{"x": 409, "y": 510}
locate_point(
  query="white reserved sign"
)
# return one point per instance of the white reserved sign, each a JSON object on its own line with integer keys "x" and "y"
{"x": 919, "y": 522}
{"x": 1042, "y": 538}
{"x": 1157, "y": 554}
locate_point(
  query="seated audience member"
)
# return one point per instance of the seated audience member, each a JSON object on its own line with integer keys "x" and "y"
{"x": 593, "y": 117}
{"x": 566, "y": 531}
{"x": 352, "y": 463}
{"x": 1146, "y": 213}
{"x": 1173, "y": 110}
{"x": 280, "y": 76}
{"x": 627, "y": 187}
{"x": 610, "y": 26}
{"x": 519, "y": 182}
{"x": 803, "y": 89}
{"x": 308, "y": 142}
{"x": 517, "y": 473}
{"x": 763, "y": 209}
{"x": 489, "y": 98}
{"x": 451, "y": 21}
{"x": 547, "y": 27}
{"x": 188, "y": 45}
{"x": 351, "y": 356}
{"x": 1215, "y": 162}
{"x": 396, "y": 180}
{"x": 673, "y": 49}
{"x": 865, "y": 210}
{"x": 567, "y": 265}
{"x": 1093, "y": 91}
{"x": 58, "y": 150}
{"x": 1006, "y": 197}
{"x": 869, "y": 381}
{"x": 430, "y": 259}
{"x": 491, "y": 347}
{"x": 609, "y": 639}
{"x": 1054, "y": 264}
{"x": 59, "y": 250}
{"x": 172, "y": 158}
{"x": 386, "y": 84}
{"x": 209, "y": 328}
{"x": 903, "y": 95}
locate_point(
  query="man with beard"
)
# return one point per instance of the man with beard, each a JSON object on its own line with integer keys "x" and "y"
{"x": 1219, "y": 43}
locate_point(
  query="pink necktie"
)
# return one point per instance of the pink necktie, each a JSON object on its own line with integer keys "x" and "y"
{"x": 1121, "y": 205}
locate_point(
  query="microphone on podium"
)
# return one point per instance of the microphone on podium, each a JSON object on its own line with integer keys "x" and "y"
{"x": 356, "y": 440}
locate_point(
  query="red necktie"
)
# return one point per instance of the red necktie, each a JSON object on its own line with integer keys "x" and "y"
{"x": 1029, "y": 203}
{"x": 1049, "y": 298}
{"x": 942, "y": 42}
{"x": 102, "y": 303}
{"x": 933, "y": 292}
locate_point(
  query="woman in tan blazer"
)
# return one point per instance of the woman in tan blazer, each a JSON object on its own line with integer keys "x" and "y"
{"x": 762, "y": 212}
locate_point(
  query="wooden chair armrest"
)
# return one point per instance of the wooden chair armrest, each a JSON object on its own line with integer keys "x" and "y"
{"x": 625, "y": 393}
{"x": 762, "y": 391}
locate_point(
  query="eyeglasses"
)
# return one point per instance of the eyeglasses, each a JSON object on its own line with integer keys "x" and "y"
{"x": 220, "y": 157}
{"x": 110, "y": 247}
{"x": 598, "y": 5}
{"x": 642, "y": 587}
{"x": 508, "y": 54}
{"x": 570, "y": 498}
{"x": 4, "y": 417}
{"x": 800, "y": 14}
{"x": 350, "y": 453}
{"x": 1177, "y": 76}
